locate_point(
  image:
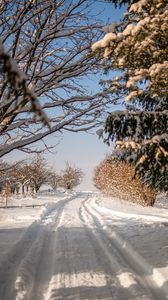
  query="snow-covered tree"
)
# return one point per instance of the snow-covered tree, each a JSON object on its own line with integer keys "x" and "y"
{"x": 45, "y": 56}
{"x": 71, "y": 177}
{"x": 137, "y": 48}
{"x": 121, "y": 2}
{"x": 118, "y": 179}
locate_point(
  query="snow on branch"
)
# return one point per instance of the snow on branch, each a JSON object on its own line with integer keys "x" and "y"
{"x": 44, "y": 71}
{"x": 137, "y": 48}
{"x": 17, "y": 80}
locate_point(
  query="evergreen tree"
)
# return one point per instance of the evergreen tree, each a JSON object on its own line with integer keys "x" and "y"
{"x": 138, "y": 49}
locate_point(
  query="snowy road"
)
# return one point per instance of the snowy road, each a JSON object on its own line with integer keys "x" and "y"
{"x": 71, "y": 252}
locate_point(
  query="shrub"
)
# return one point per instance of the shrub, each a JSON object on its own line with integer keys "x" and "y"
{"x": 118, "y": 179}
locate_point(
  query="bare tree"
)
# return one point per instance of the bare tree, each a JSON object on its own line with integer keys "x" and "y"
{"x": 8, "y": 174}
{"x": 71, "y": 177}
{"x": 37, "y": 172}
{"x": 24, "y": 176}
{"x": 7, "y": 182}
{"x": 20, "y": 174}
{"x": 46, "y": 54}
{"x": 4, "y": 175}
{"x": 54, "y": 180}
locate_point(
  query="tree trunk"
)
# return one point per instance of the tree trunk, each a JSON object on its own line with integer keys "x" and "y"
{"x": 23, "y": 189}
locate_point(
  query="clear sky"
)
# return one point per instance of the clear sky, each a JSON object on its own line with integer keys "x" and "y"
{"x": 80, "y": 149}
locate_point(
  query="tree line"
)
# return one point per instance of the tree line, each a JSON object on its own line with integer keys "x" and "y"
{"x": 26, "y": 177}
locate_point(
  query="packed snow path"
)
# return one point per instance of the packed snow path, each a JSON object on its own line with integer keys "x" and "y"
{"x": 71, "y": 252}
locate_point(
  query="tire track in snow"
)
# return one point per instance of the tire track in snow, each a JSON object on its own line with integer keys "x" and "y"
{"x": 127, "y": 280}
{"x": 152, "y": 280}
{"x": 156, "y": 276}
{"x": 49, "y": 266}
{"x": 81, "y": 270}
{"x": 18, "y": 269}
{"x": 124, "y": 283}
{"x": 45, "y": 263}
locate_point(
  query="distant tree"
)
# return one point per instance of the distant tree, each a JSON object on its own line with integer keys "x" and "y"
{"x": 8, "y": 182}
{"x": 25, "y": 175}
{"x": 137, "y": 49}
{"x": 11, "y": 174}
{"x": 118, "y": 179}
{"x": 54, "y": 180}
{"x": 16, "y": 83}
{"x": 4, "y": 174}
{"x": 20, "y": 174}
{"x": 71, "y": 177}
{"x": 37, "y": 172}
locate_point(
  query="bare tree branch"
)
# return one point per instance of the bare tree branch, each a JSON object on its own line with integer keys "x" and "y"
{"x": 49, "y": 43}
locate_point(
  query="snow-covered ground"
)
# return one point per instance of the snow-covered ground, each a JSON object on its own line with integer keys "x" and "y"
{"x": 83, "y": 246}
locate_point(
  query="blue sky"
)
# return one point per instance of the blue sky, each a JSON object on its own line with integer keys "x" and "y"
{"x": 83, "y": 150}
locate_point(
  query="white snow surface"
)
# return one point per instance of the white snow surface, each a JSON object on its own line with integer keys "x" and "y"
{"x": 83, "y": 245}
